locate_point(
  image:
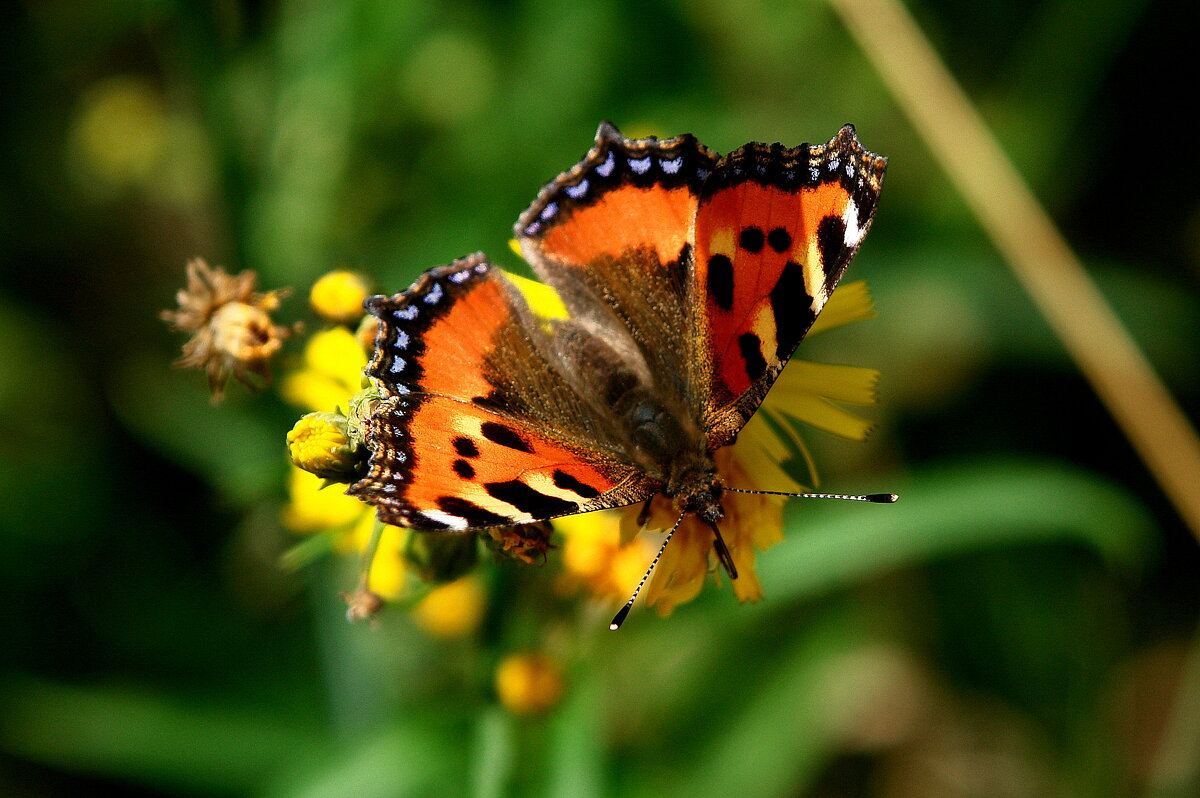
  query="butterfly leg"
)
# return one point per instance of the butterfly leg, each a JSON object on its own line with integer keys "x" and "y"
{"x": 723, "y": 554}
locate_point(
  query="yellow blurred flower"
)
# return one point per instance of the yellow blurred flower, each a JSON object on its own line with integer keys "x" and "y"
{"x": 312, "y": 508}
{"x": 120, "y": 134}
{"x": 529, "y": 683}
{"x": 452, "y": 610}
{"x": 331, "y": 374}
{"x": 338, "y": 296}
{"x": 593, "y": 555}
{"x": 330, "y": 377}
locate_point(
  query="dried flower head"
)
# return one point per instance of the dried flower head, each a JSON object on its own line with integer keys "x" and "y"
{"x": 362, "y": 605}
{"x": 233, "y": 333}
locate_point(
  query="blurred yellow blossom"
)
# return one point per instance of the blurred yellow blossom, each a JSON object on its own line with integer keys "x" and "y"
{"x": 452, "y": 610}
{"x": 529, "y": 683}
{"x": 338, "y": 296}
{"x": 311, "y": 508}
{"x": 594, "y": 557}
{"x": 331, "y": 374}
{"x": 120, "y": 134}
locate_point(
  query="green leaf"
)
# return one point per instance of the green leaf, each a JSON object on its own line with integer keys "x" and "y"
{"x": 950, "y": 510}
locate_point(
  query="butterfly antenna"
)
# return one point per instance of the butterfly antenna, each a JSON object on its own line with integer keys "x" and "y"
{"x": 619, "y": 618}
{"x": 877, "y": 498}
{"x": 723, "y": 551}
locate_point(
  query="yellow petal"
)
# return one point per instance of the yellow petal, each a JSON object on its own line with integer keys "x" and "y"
{"x": 338, "y": 296}
{"x": 762, "y": 451}
{"x": 850, "y": 302}
{"x": 853, "y": 385}
{"x": 313, "y": 391}
{"x": 806, "y": 391}
{"x": 543, "y": 300}
{"x": 335, "y": 353}
{"x": 311, "y": 509}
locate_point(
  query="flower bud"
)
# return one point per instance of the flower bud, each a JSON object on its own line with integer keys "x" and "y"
{"x": 320, "y": 444}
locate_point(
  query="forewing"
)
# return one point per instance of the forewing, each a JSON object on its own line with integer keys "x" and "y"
{"x": 613, "y": 235}
{"x": 476, "y": 427}
{"x": 775, "y": 229}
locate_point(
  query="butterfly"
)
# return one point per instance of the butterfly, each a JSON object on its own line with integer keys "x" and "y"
{"x": 688, "y": 279}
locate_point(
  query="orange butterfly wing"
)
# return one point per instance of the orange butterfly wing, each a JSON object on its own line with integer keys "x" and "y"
{"x": 612, "y": 236}
{"x": 775, "y": 229}
{"x": 475, "y": 428}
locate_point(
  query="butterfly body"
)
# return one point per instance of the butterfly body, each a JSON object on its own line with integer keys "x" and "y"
{"x": 686, "y": 280}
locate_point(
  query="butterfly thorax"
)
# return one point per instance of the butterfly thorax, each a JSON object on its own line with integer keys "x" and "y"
{"x": 671, "y": 448}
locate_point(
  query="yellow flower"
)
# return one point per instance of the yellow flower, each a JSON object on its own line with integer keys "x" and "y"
{"x": 313, "y": 509}
{"x": 331, "y": 377}
{"x": 452, "y": 610}
{"x": 320, "y": 444}
{"x": 338, "y": 296}
{"x": 593, "y": 555}
{"x": 805, "y": 391}
{"x": 389, "y": 574}
{"x": 529, "y": 683}
{"x": 332, "y": 372}
{"x": 233, "y": 334}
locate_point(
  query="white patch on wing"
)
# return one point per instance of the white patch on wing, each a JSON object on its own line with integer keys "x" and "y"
{"x": 640, "y": 165}
{"x": 854, "y": 233}
{"x": 438, "y": 517}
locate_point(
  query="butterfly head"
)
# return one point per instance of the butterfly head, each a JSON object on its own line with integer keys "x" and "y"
{"x": 696, "y": 488}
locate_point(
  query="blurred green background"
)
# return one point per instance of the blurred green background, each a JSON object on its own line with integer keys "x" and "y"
{"x": 1019, "y": 625}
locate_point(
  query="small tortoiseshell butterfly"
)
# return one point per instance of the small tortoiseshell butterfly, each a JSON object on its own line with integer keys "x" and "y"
{"x": 689, "y": 278}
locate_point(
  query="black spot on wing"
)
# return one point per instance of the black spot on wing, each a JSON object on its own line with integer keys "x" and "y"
{"x": 720, "y": 281}
{"x": 751, "y": 239}
{"x": 470, "y": 512}
{"x": 528, "y": 500}
{"x": 780, "y": 240}
{"x": 792, "y": 308}
{"x": 567, "y": 482}
{"x": 505, "y": 436}
{"x": 751, "y": 348}
{"x": 465, "y": 447}
{"x": 464, "y": 469}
